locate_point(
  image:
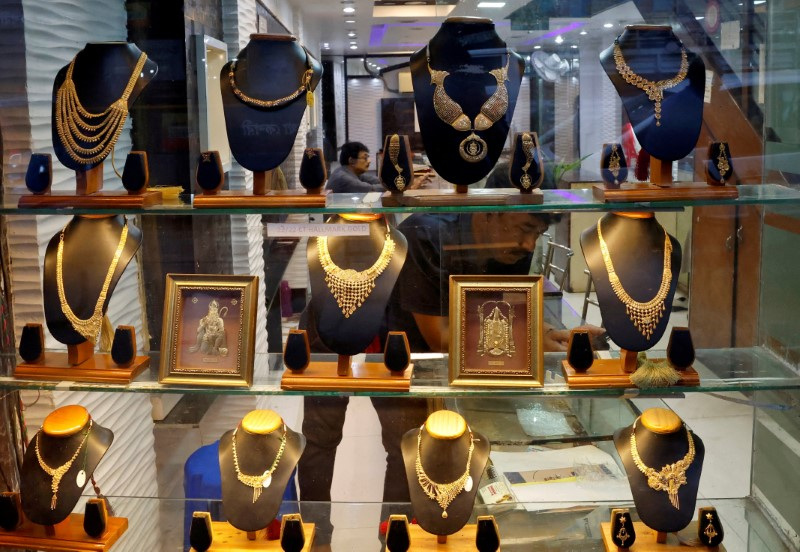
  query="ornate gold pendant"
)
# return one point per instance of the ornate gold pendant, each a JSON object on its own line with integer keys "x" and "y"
{"x": 709, "y": 531}
{"x": 400, "y": 182}
{"x": 669, "y": 479}
{"x": 496, "y": 336}
{"x": 473, "y": 148}
{"x": 525, "y": 181}
{"x": 622, "y": 534}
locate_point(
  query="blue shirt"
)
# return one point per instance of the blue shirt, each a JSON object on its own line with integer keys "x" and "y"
{"x": 343, "y": 180}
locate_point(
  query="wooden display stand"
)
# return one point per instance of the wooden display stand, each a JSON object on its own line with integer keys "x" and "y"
{"x": 616, "y": 373}
{"x": 67, "y": 536}
{"x": 262, "y": 196}
{"x": 226, "y": 537}
{"x": 422, "y": 541}
{"x": 346, "y": 375}
{"x": 461, "y": 196}
{"x": 649, "y": 540}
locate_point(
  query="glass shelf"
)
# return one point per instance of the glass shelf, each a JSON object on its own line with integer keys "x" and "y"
{"x": 554, "y": 200}
{"x": 721, "y": 370}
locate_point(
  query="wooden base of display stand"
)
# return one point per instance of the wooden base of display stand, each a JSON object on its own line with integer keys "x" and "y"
{"x": 671, "y": 191}
{"x": 227, "y": 537}
{"x": 647, "y": 540}
{"x": 616, "y": 373}
{"x": 97, "y": 200}
{"x": 272, "y": 198}
{"x": 347, "y": 376}
{"x": 422, "y": 541}
{"x": 67, "y": 536}
{"x": 98, "y": 368}
{"x": 458, "y": 197}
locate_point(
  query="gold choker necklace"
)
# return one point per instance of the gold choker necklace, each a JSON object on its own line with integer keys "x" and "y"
{"x": 443, "y": 493}
{"x": 645, "y": 316}
{"x": 653, "y": 89}
{"x": 88, "y": 327}
{"x": 258, "y": 482}
{"x": 527, "y": 148}
{"x": 671, "y": 477}
{"x": 57, "y": 473}
{"x": 473, "y": 148}
{"x": 305, "y": 86}
{"x": 394, "y": 154}
{"x": 74, "y": 122}
{"x": 351, "y": 287}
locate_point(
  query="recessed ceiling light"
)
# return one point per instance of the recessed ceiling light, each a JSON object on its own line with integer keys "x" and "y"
{"x": 353, "y": 42}
{"x": 608, "y": 25}
{"x": 350, "y": 21}
{"x": 574, "y": 46}
{"x": 700, "y": 17}
{"x": 491, "y": 4}
{"x": 537, "y": 47}
{"x": 326, "y": 45}
{"x": 351, "y": 34}
{"x": 348, "y": 9}
{"x": 559, "y": 39}
{"x": 758, "y": 2}
{"x": 354, "y": 47}
{"x": 583, "y": 33}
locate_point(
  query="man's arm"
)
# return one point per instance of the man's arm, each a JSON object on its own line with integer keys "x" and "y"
{"x": 435, "y": 331}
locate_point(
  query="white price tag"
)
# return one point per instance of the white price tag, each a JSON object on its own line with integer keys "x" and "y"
{"x": 313, "y": 229}
{"x": 709, "y": 84}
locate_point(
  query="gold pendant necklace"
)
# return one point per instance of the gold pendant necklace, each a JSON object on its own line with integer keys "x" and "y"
{"x": 473, "y": 148}
{"x": 257, "y": 482}
{"x": 74, "y": 122}
{"x": 394, "y": 154}
{"x": 653, "y": 89}
{"x": 495, "y": 335}
{"x": 722, "y": 162}
{"x": 527, "y": 148}
{"x": 57, "y": 473}
{"x": 87, "y": 327}
{"x": 351, "y": 287}
{"x": 443, "y": 493}
{"x": 305, "y": 86}
{"x": 613, "y": 163}
{"x": 671, "y": 477}
{"x": 645, "y": 316}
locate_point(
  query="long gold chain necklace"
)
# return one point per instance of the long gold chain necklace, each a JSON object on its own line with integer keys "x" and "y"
{"x": 722, "y": 162}
{"x": 614, "y": 162}
{"x": 645, "y": 316}
{"x": 394, "y": 154}
{"x": 653, "y": 89}
{"x": 443, "y": 493}
{"x": 527, "y": 148}
{"x": 671, "y": 477}
{"x": 57, "y": 473}
{"x": 74, "y": 122}
{"x": 305, "y": 86}
{"x": 264, "y": 480}
{"x": 473, "y": 148}
{"x": 351, "y": 287}
{"x": 87, "y": 327}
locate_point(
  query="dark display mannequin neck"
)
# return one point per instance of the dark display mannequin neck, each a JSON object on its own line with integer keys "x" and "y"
{"x": 654, "y": 53}
{"x": 269, "y": 67}
{"x": 256, "y": 454}
{"x": 350, "y": 336}
{"x": 468, "y": 49}
{"x": 101, "y": 73}
{"x": 444, "y": 460}
{"x": 56, "y": 451}
{"x": 89, "y": 247}
{"x": 656, "y": 451}
{"x": 636, "y": 248}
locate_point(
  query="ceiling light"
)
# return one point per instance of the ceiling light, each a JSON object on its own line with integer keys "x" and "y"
{"x": 574, "y": 46}
{"x": 608, "y": 25}
{"x": 758, "y": 2}
{"x": 700, "y": 17}
{"x": 583, "y": 33}
{"x": 354, "y": 47}
{"x": 559, "y": 39}
{"x": 354, "y": 42}
{"x": 537, "y": 47}
{"x": 348, "y": 9}
{"x": 351, "y": 34}
{"x": 350, "y": 21}
{"x": 491, "y": 4}
{"x": 326, "y": 45}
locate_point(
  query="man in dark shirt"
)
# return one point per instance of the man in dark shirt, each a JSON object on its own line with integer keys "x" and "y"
{"x": 351, "y": 176}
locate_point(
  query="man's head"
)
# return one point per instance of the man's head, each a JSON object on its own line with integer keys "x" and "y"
{"x": 355, "y": 155}
{"x": 509, "y": 237}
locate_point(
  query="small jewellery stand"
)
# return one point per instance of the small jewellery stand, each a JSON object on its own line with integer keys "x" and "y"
{"x": 482, "y": 536}
{"x": 295, "y": 536}
{"x": 640, "y": 538}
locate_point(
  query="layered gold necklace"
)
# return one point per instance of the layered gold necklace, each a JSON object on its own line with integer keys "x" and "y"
{"x": 100, "y": 130}
{"x": 614, "y": 162}
{"x": 644, "y": 315}
{"x": 653, "y": 89}
{"x": 264, "y": 480}
{"x": 443, "y": 493}
{"x": 305, "y": 86}
{"x": 57, "y": 473}
{"x": 351, "y": 287}
{"x": 671, "y": 477}
{"x": 527, "y": 148}
{"x": 394, "y": 154}
{"x": 87, "y": 327}
{"x": 473, "y": 148}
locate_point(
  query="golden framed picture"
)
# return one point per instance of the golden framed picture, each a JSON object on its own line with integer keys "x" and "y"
{"x": 208, "y": 332}
{"x": 496, "y": 331}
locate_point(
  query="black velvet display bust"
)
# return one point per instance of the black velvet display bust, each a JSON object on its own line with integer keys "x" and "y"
{"x": 89, "y": 246}
{"x": 269, "y": 67}
{"x": 654, "y": 53}
{"x": 351, "y": 335}
{"x": 101, "y": 72}
{"x": 636, "y": 248}
{"x": 468, "y": 48}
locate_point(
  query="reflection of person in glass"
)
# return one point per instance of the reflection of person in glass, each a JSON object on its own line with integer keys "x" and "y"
{"x": 211, "y": 332}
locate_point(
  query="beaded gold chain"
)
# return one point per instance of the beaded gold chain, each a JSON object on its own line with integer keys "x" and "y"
{"x": 443, "y": 493}
{"x": 74, "y": 122}
{"x": 57, "y": 473}
{"x": 305, "y": 86}
{"x": 394, "y": 154}
{"x": 264, "y": 480}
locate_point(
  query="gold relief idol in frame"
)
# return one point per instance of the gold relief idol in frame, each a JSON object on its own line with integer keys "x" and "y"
{"x": 495, "y": 331}
{"x": 208, "y": 332}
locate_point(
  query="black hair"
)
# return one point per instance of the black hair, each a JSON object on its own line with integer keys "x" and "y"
{"x": 351, "y": 150}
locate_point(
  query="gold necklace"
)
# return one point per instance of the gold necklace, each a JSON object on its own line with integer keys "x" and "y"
{"x": 527, "y": 148}
{"x": 394, "y": 153}
{"x": 653, "y": 89}
{"x": 258, "y": 482}
{"x": 671, "y": 477}
{"x": 57, "y": 473}
{"x": 73, "y": 121}
{"x": 87, "y": 327}
{"x": 305, "y": 86}
{"x": 443, "y": 493}
{"x": 722, "y": 162}
{"x": 473, "y": 148}
{"x": 352, "y": 287}
{"x": 613, "y": 162}
{"x": 645, "y": 316}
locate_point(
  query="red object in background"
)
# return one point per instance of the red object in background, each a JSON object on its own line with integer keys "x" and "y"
{"x": 643, "y": 166}
{"x": 274, "y": 530}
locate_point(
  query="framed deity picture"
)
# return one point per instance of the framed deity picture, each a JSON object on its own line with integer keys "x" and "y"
{"x": 496, "y": 331}
{"x": 208, "y": 332}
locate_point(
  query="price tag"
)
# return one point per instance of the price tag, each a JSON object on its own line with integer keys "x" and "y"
{"x": 313, "y": 229}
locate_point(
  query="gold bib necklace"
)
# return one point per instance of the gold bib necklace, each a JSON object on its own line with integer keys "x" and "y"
{"x": 305, "y": 86}
{"x": 473, "y": 148}
{"x": 653, "y": 89}
{"x": 394, "y": 154}
{"x": 74, "y": 122}
{"x": 671, "y": 477}
{"x": 527, "y": 148}
{"x": 87, "y": 327}
{"x": 645, "y": 316}
{"x": 443, "y": 493}
{"x": 57, "y": 473}
{"x": 257, "y": 482}
{"x": 351, "y": 287}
